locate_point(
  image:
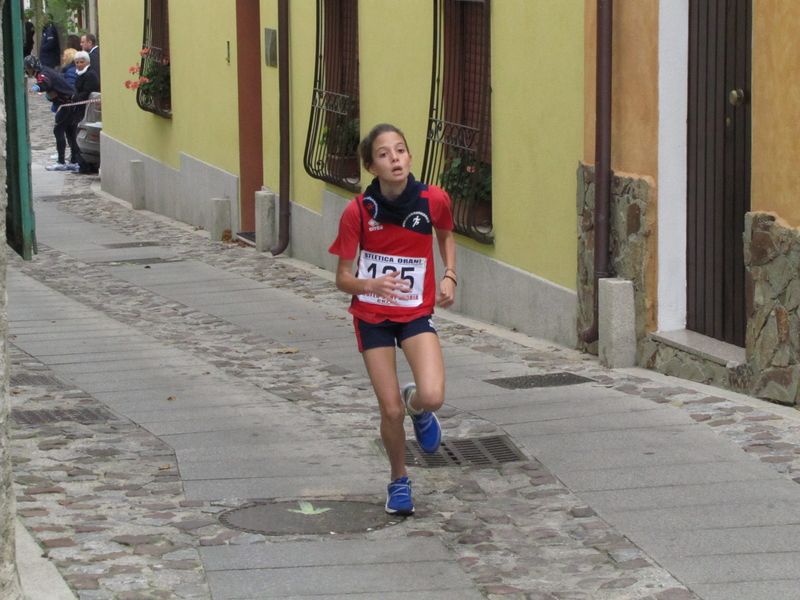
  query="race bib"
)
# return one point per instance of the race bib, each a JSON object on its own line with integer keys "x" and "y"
{"x": 372, "y": 266}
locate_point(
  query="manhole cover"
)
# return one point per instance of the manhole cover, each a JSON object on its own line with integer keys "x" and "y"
{"x": 80, "y": 415}
{"x": 538, "y": 381}
{"x": 312, "y": 517}
{"x": 131, "y": 245}
{"x": 35, "y": 380}
{"x": 489, "y": 451}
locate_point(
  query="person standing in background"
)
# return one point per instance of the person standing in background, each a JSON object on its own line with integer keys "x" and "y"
{"x": 68, "y": 69}
{"x": 50, "y": 52}
{"x": 89, "y": 44}
{"x": 87, "y": 82}
{"x": 59, "y": 92}
{"x": 30, "y": 31}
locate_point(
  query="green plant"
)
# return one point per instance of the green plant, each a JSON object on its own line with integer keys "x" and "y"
{"x": 155, "y": 81}
{"x": 468, "y": 179}
{"x": 342, "y": 140}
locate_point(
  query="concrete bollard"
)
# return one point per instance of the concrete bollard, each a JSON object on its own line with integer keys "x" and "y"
{"x": 616, "y": 323}
{"x": 266, "y": 220}
{"x": 220, "y": 218}
{"x": 139, "y": 200}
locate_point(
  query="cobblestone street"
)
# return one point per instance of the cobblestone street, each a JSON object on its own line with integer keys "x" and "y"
{"x": 111, "y": 505}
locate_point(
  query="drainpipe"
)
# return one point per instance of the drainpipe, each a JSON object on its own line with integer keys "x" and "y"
{"x": 602, "y": 170}
{"x": 283, "y": 127}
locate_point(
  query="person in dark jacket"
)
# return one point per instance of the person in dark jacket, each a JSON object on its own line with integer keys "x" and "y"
{"x": 59, "y": 92}
{"x": 50, "y": 52}
{"x": 30, "y": 31}
{"x": 68, "y": 69}
{"x": 88, "y": 82}
{"x": 89, "y": 44}
{"x": 70, "y": 72}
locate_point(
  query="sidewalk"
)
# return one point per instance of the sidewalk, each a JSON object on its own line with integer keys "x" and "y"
{"x": 203, "y": 377}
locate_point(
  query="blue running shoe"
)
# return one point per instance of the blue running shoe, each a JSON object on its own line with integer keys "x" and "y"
{"x": 426, "y": 425}
{"x": 399, "y": 500}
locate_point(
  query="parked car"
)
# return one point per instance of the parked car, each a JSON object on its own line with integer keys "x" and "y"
{"x": 89, "y": 131}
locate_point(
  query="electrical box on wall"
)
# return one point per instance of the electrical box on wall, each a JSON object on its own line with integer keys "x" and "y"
{"x": 271, "y": 47}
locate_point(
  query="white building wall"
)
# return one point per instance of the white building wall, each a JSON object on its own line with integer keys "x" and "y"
{"x": 673, "y": 79}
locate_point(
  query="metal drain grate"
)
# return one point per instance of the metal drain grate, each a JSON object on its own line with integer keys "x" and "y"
{"x": 539, "y": 381}
{"x": 57, "y": 198}
{"x": 247, "y": 237}
{"x": 56, "y": 415}
{"x": 490, "y": 451}
{"x": 131, "y": 245}
{"x": 35, "y": 381}
{"x": 137, "y": 261}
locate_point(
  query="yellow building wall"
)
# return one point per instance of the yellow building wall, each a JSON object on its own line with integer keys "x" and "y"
{"x": 204, "y": 120}
{"x": 269, "y": 102}
{"x": 537, "y": 129}
{"x": 537, "y": 81}
{"x": 396, "y": 70}
{"x": 776, "y": 109}
{"x": 634, "y": 142}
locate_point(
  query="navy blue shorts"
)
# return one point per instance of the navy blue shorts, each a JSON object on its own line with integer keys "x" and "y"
{"x": 389, "y": 333}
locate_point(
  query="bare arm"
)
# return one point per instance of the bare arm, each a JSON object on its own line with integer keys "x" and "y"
{"x": 447, "y": 287}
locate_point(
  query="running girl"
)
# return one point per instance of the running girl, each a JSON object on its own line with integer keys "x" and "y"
{"x": 394, "y": 292}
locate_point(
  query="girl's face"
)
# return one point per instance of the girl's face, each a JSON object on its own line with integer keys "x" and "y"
{"x": 391, "y": 161}
{"x": 80, "y": 63}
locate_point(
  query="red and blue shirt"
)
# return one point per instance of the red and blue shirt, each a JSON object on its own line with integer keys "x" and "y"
{"x": 405, "y": 245}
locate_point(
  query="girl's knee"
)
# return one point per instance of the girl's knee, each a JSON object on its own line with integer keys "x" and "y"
{"x": 430, "y": 397}
{"x": 393, "y": 414}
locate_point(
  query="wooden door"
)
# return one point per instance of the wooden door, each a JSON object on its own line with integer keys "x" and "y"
{"x": 718, "y": 194}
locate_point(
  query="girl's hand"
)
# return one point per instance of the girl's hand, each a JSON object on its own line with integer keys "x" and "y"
{"x": 390, "y": 287}
{"x": 447, "y": 293}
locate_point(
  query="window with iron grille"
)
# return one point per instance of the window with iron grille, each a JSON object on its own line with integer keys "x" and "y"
{"x": 458, "y": 149}
{"x": 155, "y": 95}
{"x": 333, "y": 132}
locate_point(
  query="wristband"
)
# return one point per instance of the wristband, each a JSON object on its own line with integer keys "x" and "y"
{"x": 451, "y": 279}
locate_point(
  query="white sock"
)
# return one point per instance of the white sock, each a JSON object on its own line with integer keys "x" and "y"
{"x": 413, "y": 411}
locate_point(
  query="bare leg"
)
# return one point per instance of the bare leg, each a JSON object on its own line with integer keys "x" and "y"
{"x": 382, "y": 369}
{"x": 424, "y": 355}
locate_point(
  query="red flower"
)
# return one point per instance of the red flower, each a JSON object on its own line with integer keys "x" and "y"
{"x": 145, "y": 51}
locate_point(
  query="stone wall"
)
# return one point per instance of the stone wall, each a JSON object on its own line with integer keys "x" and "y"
{"x": 632, "y": 241}
{"x": 657, "y": 354}
{"x": 772, "y": 291}
{"x": 9, "y": 580}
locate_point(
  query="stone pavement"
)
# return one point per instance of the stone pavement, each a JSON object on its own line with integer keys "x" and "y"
{"x": 202, "y": 377}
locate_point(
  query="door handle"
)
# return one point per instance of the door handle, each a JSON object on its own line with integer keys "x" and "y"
{"x": 736, "y": 97}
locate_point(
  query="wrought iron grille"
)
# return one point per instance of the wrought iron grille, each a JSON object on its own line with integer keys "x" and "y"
{"x": 331, "y": 152}
{"x": 458, "y": 149}
{"x": 156, "y": 97}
